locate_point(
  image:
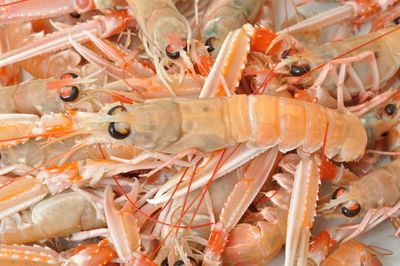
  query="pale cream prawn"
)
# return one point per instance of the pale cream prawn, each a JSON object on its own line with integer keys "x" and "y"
{"x": 102, "y": 26}
{"x": 70, "y": 91}
{"x": 20, "y": 11}
{"x": 166, "y": 34}
{"x": 262, "y": 235}
{"x": 216, "y": 200}
{"x": 99, "y": 253}
{"x": 356, "y": 198}
{"x": 39, "y": 66}
{"x": 339, "y": 70}
{"x": 190, "y": 210}
{"x": 237, "y": 119}
{"x": 353, "y": 253}
{"x": 223, "y": 17}
{"x": 358, "y": 11}
{"x": 79, "y": 215}
{"x": 247, "y": 116}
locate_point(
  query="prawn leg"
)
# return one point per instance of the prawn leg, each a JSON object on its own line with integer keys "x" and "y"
{"x": 124, "y": 231}
{"x": 102, "y": 26}
{"x": 238, "y": 201}
{"x": 345, "y": 67}
{"x": 301, "y": 212}
{"x": 30, "y": 10}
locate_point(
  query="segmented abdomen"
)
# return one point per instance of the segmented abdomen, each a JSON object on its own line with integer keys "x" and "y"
{"x": 261, "y": 121}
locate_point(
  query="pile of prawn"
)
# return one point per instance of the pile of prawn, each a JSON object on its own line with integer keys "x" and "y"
{"x": 177, "y": 132}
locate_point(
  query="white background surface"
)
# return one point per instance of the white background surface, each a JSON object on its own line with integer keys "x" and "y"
{"x": 382, "y": 235}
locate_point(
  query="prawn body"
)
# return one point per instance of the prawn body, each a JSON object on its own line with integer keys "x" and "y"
{"x": 225, "y": 16}
{"x": 371, "y": 60}
{"x": 260, "y": 121}
{"x": 160, "y": 21}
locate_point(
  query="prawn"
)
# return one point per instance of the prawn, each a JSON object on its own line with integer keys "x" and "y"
{"x": 356, "y": 198}
{"x": 166, "y": 34}
{"x": 40, "y": 66}
{"x": 237, "y": 119}
{"x": 20, "y": 11}
{"x": 323, "y": 70}
{"x": 353, "y": 253}
{"x": 357, "y": 11}
{"x": 223, "y": 17}
{"x": 103, "y": 26}
{"x": 44, "y": 219}
{"x": 263, "y": 233}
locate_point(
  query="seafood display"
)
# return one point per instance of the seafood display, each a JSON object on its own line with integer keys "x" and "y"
{"x": 206, "y": 132}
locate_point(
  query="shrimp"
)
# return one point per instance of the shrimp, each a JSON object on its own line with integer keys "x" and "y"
{"x": 43, "y": 96}
{"x": 124, "y": 231}
{"x": 40, "y": 66}
{"x": 381, "y": 121}
{"x": 223, "y": 17}
{"x": 248, "y": 187}
{"x": 43, "y": 220}
{"x": 183, "y": 243}
{"x": 166, "y": 35}
{"x": 357, "y": 11}
{"x": 353, "y": 253}
{"x": 21, "y": 11}
{"x": 87, "y": 254}
{"x": 368, "y": 67}
{"x": 246, "y": 116}
{"x": 22, "y": 154}
{"x": 163, "y": 26}
{"x": 148, "y": 126}
{"x": 261, "y": 235}
{"x": 356, "y": 198}
{"x": 103, "y": 26}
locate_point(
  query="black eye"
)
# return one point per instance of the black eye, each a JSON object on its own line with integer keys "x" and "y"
{"x": 116, "y": 109}
{"x": 75, "y": 15}
{"x": 69, "y": 76}
{"x": 390, "y": 109}
{"x": 172, "y": 54}
{"x": 210, "y": 42}
{"x": 69, "y": 93}
{"x": 338, "y": 192}
{"x": 289, "y": 52}
{"x": 165, "y": 262}
{"x": 397, "y": 21}
{"x": 351, "y": 209}
{"x": 298, "y": 71}
{"x": 118, "y": 130}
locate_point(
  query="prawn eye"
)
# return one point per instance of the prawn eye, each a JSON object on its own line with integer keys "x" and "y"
{"x": 298, "y": 71}
{"x": 69, "y": 76}
{"x": 165, "y": 262}
{"x": 338, "y": 192}
{"x": 390, "y": 109}
{"x": 118, "y": 130}
{"x": 210, "y": 42}
{"x": 116, "y": 109}
{"x": 289, "y": 52}
{"x": 69, "y": 93}
{"x": 397, "y": 21}
{"x": 171, "y": 53}
{"x": 75, "y": 15}
{"x": 351, "y": 209}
